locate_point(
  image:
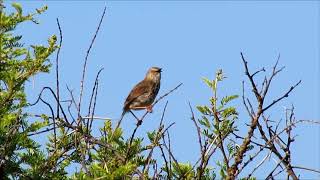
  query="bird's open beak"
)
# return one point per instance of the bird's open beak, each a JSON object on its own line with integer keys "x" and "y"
{"x": 160, "y": 70}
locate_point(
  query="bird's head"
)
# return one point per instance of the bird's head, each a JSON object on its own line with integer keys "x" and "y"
{"x": 154, "y": 74}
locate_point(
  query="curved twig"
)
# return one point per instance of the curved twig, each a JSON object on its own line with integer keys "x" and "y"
{"x": 85, "y": 64}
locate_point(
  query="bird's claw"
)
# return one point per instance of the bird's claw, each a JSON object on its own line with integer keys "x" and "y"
{"x": 149, "y": 109}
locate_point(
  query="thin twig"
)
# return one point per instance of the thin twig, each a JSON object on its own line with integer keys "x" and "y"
{"x": 255, "y": 90}
{"x": 169, "y": 144}
{"x": 160, "y": 128}
{"x": 274, "y": 73}
{"x": 40, "y": 132}
{"x": 259, "y": 164}
{"x": 170, "y": 153}
{"x": 94, "y": 99}
{"x": 96, "y": 117}
{"x": 165, "y": 162}
{"x": 274, "y": 169}
{"x": 163, "y": 96}
{"x": 92, "y": 139}
{"x": 55, "y": 97}
{"x": 197, "y": 127}
{"x": 85, "y": 65}
{"x": 57, "y": 84}
{"x": 284, "y": 96}
{"x": 72, "y": 98}
{"x": 261, "y": 70}
{"x": 57, "y": 66}
{"x": 234, "y": 170}
{"x": 308, "y": 169}
{"x": 244, "y": 101}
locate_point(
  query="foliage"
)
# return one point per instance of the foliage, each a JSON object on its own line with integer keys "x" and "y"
{"x": 18, "y": 64}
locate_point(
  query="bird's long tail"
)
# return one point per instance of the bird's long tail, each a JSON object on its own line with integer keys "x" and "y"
{"x": 119, "y": 122}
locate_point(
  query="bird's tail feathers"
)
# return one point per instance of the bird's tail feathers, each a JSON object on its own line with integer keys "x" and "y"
{"x": 119, "y": 122}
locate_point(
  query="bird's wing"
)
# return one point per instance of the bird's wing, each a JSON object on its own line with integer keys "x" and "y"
{"x": 140, "y": 89}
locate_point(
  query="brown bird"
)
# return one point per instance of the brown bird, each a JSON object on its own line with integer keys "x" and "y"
{"x": 144, "y": 93}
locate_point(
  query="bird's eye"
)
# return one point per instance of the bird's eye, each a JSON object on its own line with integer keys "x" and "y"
{"x": 156, "y": 69}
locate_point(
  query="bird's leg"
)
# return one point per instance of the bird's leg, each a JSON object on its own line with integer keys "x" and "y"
{"x": 149, "y": 108}
{"x": 134, "y": 115}
{"x": 138, "y": 107}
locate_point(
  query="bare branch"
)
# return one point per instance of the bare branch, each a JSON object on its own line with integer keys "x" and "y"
{"x": 284, "y": 96}
{"x": 170, "y": 153}
{"x": 55, "y": 97}
{"x": 259, "y": 164}
{"x": 251, "y": 108}
{"x": 72, "y": 98}
{"x": 85, "y": 65}
{"x": 163, "y": 96}
{"x": 57, "y": 66}
{"x": 96, "y": 117}
{"x": 308, "y": 169}
{"x": 234, "y": 170}
{"x": 255, "y": 90}
{"x": 54, "y": 122}
{"x": 244, "y": 102}
{"x": 93, "y": 96}
{"x": 40, "y": 132}
{"x": 165, "y": 161}
{"x": 57, "y": 85}
{"x": 159, "y": 131}
{"x": 169, "y": 145}
{"x": 270, "y": 176}
{"x": 274, "y": 73}
{"x": 92, "y": 139}
{"x": 197, "y": 126}
{"x": 261, "y": 70}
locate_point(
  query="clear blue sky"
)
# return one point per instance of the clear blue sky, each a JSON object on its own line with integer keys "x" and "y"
{"x": 189, "y": 40}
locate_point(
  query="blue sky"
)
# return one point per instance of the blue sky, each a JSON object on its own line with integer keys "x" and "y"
{"x": 189, "y": 40}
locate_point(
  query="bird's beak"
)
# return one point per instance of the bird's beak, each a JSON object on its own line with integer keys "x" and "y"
{"x": 160, "y": 70}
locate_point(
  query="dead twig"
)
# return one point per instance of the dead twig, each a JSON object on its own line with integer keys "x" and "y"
{"x": 305, "y": 168}
{"x": 158, "y": 135}
{"x": 85, "y": 65}
{"x": 233, "y": 171}
{"x": 93, "y": 99}
{"x": 57, "y": 83}
{"x": 284, "y": 96}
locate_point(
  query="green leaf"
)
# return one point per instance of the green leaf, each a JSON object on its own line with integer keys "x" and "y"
{"x": 117, "y": 133}
{"x": 183, "y": 170}
{"x": 227, "y": 99}
{"x": 18, "y": 8}
{"x": 205, "y": 122}
{"x": 151, "y": 136}
{"x": 230, "y": 148}
{"x": 41, "y": 10}
{"x": 17, "y": 66}
{"x": 208, "y": 82}
{"x": 205, "y": 110}
{"x": 230, "y": 111}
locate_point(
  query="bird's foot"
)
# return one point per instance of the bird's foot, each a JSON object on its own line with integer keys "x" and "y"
{"x": 149, "y": 109}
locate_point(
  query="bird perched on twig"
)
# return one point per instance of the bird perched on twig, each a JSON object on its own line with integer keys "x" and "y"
{"x": 144, "y": 93}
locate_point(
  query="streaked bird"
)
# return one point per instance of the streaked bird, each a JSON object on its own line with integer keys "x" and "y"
{"x": 144, "y": 93}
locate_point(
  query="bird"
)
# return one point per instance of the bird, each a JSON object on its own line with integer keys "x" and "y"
{"x": 143, "y": 94}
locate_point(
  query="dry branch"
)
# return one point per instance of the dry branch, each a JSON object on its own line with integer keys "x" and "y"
{"x": 85, "y": 65}
{"x": 233, "y": 171}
